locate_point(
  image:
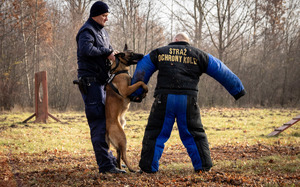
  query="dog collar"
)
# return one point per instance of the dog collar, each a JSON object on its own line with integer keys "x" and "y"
{"x": 117, "y": 64}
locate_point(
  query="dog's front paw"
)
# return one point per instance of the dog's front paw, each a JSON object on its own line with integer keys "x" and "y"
{"x": 144, "y": 95}
{"x": 145, "y": 87}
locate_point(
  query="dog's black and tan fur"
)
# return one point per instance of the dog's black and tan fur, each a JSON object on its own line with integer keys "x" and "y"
{"x": 117, "y": 102}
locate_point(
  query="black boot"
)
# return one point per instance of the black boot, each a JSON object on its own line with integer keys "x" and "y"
{"x": 114, "y": 170}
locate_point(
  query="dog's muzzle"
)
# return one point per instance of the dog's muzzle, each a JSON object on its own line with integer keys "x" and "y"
{"x": 135, "y": 58}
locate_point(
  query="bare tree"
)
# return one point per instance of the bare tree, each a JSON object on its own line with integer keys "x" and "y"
{"x": 25, "y": 60}
{"x": 289, "y": 65}
{"x": 227, "y": 23}
{"x": 78, "y": 10}
{"x": 259, "y": 40}
{"x": 190, "y": 15}
{"x": 66, "y": 20}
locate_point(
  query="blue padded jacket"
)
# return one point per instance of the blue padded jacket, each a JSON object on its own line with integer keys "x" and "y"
{"x": 180, "y": 66}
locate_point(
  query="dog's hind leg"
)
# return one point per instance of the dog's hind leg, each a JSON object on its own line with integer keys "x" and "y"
{"x": 107, "y": 140}
{"x": 118, "y": 140}
{"x": 123, "y": 120}
{"x": 120, "y": 145}
{"x": 119, "y": 158}
{"x": 124, "y": 158}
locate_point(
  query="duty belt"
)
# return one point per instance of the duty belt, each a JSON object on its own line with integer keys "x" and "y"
{"x": 90, "y": 79}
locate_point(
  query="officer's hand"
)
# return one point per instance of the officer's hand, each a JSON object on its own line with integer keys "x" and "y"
{"x": 112, "y": 56}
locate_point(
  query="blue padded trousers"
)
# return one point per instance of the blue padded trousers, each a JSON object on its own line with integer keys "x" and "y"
{"x": 165, "y": 109}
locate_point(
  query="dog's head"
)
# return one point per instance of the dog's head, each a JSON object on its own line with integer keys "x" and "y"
{"x": 128, "y": 57}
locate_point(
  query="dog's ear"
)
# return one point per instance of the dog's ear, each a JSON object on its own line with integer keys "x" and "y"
{"x": 126, "y": 47}
{"x": 120, "y": 54}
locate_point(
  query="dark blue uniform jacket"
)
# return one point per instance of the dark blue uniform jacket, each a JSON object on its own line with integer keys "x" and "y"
{"x": 93, "y": 48}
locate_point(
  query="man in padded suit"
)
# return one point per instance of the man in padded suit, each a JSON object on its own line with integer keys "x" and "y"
{"x": 180, "y": 66}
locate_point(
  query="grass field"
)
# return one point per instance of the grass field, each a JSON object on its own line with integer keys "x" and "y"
{"x": 60, "y": 154}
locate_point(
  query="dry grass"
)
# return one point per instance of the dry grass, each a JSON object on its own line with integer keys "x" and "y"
{"x": 56, "y": 154}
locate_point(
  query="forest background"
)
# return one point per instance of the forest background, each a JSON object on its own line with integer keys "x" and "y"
{"x": 258, "y": 40}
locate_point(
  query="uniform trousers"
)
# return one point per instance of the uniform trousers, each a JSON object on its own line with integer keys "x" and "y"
{"x": 95, "y": 113}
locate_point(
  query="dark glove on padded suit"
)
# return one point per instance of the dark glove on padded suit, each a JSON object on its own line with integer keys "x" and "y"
{"x": 136, "y": 99}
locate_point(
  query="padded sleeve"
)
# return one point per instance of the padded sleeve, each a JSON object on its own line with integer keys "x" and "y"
{"x": 144, "y": 70}
{"x": 220, "y": 72}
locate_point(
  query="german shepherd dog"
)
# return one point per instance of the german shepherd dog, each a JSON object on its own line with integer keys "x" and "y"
{"x": 118, "y": 89}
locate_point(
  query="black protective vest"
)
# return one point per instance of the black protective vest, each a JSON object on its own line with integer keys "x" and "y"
{"x": 180, "y": 66}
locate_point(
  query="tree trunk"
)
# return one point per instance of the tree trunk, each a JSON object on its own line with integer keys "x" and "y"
{"x": 25, "y": 59}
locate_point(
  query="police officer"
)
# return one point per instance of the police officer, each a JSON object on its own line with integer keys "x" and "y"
{"x": 180, "y": 66}
{"x": 93, "y": 52}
